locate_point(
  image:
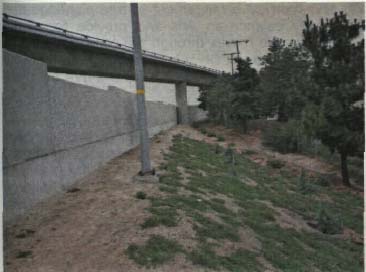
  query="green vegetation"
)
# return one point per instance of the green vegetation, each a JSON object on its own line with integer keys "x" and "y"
{"x": 314, "y": 87}
{"x": 327, "y": 223}
{"x": 211, "y": 134}
{"x": 157, "y": 250}
{"x": 303, "y": 186}
{"x": 275, "y": 163}
{"x": 250, "y": 152}
{"x": 24, "y": 254}
{"x": 220, "y": 138}
{"x": 220, "y": 205}
{"x": 140, "y": 195}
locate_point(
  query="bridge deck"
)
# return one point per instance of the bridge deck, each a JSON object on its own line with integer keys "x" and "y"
{"x": 72, "y": 52}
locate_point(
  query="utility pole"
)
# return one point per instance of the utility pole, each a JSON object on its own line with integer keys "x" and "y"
{"x": 232, "y": 61}
{"x": 140, "y": 93}
{"x": 236, "y": 42}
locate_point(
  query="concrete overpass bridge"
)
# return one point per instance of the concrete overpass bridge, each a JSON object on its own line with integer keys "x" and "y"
{"x": 70, "y": 52}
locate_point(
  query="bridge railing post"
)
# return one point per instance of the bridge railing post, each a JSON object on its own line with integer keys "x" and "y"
{"x": 182, "y": 105}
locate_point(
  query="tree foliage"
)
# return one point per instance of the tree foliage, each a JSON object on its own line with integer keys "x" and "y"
{"x": 245, "y": 93}
{"x": 233, "y": 99}
{"x": 335, "y": 112}
{"x": 285, "y": 78}
{"x": 319, "y": 83}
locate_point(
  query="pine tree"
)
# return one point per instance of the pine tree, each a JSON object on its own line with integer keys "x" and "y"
{"x": 284, "y": 79}
{"x": 245, "y": 93}
{"x": 337, "y": 109}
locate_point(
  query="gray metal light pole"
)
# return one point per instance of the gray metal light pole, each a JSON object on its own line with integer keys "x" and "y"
{"x": 140, "y": 92}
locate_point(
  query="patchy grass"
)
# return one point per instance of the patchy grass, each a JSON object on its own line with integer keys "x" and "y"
{"x": 156, "y": 251}
{"x": 162, "y": 216}
{"x": 214, "y": 222}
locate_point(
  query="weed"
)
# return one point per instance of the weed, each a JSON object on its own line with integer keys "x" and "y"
{"x": 203, "y": 131}
{"x": 328, "y": 223}
{"x": 220, "y": 138}
{"x": 73, "y": 190}
{"x": 249, "y": 152}
{"x": 168, "y": 189}
{"x": 24, "y": 254}
{"x": 161, "y": 216}
{"x": 218, "y": 149}
{"x": 25, "y": 233}
{"x": 141, "y": 195}
{"x": 157, "y": 250}
{"x": 275, "y": 163}
{"x": 211, "y": 134}
{"x": 324, "y": 179}
{"x": 302, "y": 185}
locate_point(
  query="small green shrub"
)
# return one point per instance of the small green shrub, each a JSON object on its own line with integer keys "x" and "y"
{"x": 140, "y": 195}
{"x": 168, "y": 189}
{"x": 157, "y": 250}
{"x": 195, "y": 125}
{"x": 24, "y": 254}
{"x": 284, "y": 137}
{"x": 303, "y": 186}
{"x": 229, "y": 156}
{"x": 218, "y": 149}
{"x": 211, "y": 134}
{"x": 275, "y": 163}
{"x": 203, "y": 131}
{"x": 249, "y": 152}
{"x": 327, "y": 223}
{"x": 161, "y": 216}
{"x": 324, "y": 179}
{"x": 220, "y": 138}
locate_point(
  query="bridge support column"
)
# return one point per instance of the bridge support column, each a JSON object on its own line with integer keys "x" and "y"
{"x": 181, "y": 98}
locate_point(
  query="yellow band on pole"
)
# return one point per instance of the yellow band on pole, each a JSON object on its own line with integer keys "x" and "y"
{"x": 140, "y": 91}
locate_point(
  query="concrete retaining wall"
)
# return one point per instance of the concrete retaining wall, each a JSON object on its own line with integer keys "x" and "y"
{"x": 56, "y": 132}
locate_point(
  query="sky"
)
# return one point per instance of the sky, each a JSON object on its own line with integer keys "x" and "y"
{"x": 190, "y": 31}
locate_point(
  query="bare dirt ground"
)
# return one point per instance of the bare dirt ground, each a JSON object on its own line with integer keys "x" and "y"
{"x": 89, "y": 229}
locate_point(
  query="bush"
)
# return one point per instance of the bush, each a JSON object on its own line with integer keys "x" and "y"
{"x": 327, "y": 223}
{"x": 303, "y": 186}
{"x": 140, "y": 195}
{"x": 203, "y": 131}
{"x": 211, "y": 134}
{"x": 325, "y": 179}
{"x": 275, "y": 163}
{"x": 284, "y": 137}
{"x": 218, "y": 149}
{"x": 249, "y": 152}
{"x": 220, "y": 138}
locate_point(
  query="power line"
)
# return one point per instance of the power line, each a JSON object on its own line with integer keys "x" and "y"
{"x": 236, "y": 42}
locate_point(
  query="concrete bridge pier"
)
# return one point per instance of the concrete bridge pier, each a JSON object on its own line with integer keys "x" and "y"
{"x": 182, "y": 106}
